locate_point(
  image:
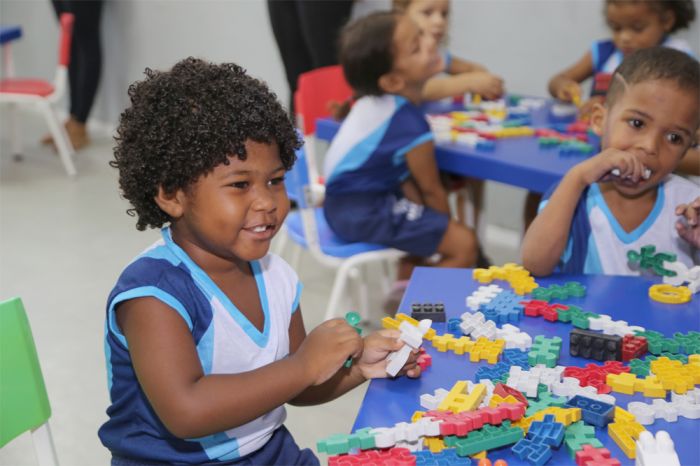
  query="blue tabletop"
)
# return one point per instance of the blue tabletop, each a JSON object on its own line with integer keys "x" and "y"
{"x": 9, "y": 33}
{"x": 517, "y": 161}
{"x": 390, "y": 401}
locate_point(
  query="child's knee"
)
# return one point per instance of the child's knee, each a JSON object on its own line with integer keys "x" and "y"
{"x": 462, "y": 246}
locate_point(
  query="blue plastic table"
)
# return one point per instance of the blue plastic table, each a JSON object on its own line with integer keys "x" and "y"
{"x": 390, "y": 401}
{"x": 517, "y": 161}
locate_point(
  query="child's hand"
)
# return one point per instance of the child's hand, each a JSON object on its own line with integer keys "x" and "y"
{"x": 612, "y": 163}
{"x": 378, "y": 345}
{"x": 586, "y": 110}
{"x": 567, "y": 90}
{"x": 488, "y": 85}
{"x": 688, "y": 227}
{"x": 326, "y": 348}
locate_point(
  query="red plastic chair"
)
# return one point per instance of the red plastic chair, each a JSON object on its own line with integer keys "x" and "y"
{"x": 33, "y": 91}
{"x": 316, "y": 90}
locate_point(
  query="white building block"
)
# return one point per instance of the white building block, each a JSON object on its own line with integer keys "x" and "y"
{"x": 570, "y": 387}
{"x": 656, "y": 451}
{"x": 689, "y": 277}
{"x": 432, "y": 401}
{"x": 514, "y": 337}
{"x": 412, "y": 336}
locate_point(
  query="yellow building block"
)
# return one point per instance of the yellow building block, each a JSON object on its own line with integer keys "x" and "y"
{"x": 460, "y": 345}
{"x": 694, "y": 360}
{"x": 455, "y": 398}
{"x": 479, "y": 456}
{"x": 622, "y": 415}
{"x": 442, "y": 342}
{"x": 651, "y": 387}
{"x": 629, "y": 383}
{"x": 625, "y": 434}
{"x": 484, "y": 349}
{"x": 497, "y": 400}
{"x": 670, "y": 294}
{"x": 390, "y": 323}
{"x": 674, "y": 375}
{"x": 434, "y": 444}
{"x": 417, "y": 416}
{"x": 482, "y": 275}
{"x": 566, "y": 416}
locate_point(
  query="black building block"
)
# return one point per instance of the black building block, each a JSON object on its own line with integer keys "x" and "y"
{"x": 593, "y": 345}
{"x": 432, "y": 311}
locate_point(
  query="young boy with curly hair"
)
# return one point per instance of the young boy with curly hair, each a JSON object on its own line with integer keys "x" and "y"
{"x": 626, "y": 197}
{"x": 205, "y": 341}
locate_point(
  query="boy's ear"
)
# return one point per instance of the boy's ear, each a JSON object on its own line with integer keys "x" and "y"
{"x": 171, "y": 203}
{"x": 668, "y": 19}
{"x": 598, "y": 117}
{"x": 391, "y": 83}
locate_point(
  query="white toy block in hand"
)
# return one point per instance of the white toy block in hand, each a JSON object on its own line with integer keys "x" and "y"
{"x": 653, "y": 451}
{"x": 412, "y": 336}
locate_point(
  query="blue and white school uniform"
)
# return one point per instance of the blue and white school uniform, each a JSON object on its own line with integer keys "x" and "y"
{"x": 607, "y": 57}
{"x": 364, "y": 168}
{"x": 597, "y": 243}
{"x": 226, "y": 342}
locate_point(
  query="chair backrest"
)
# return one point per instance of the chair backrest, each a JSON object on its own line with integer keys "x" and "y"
{"x": 24, "y": 404}
{"x": 316, "y": 89}
{"x": 66, "y": 23}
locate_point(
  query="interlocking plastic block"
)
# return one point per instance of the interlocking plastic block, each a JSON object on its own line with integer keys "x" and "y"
{"x": 548, "y": 431}
{"x": 504, "y": 308}
{"x": 434, "y": 444}
{"x": 593, "y": 411}
{"x": 460, "y": 424}
{"x": 612, "y": 327}
{"x": 489, "y": 437}
{"x": 446, "y": 457}
{"x": 628, "y": 384}
{"x": 594, "y": 376}
{"x": 545, "y": 400}
{"x": 648, "y": 258}
{"x": 633, "y": 347}
{"x": 432, "y": 311}
{"x": 343, "y": 443}
{"x": 458, "y": 399}
{"x": 675, "y": 375}
{"x": 590, "y": 456}
{"x": 658, "y": 343}
{"x": 550, "y": 312}
{"x": 579, "y": 434}
{"x": 690, "y": 277}
{"x": 656, "y": 450}
{"x": 688, "y": 343}
{"x": 687, "y": 406}
{"x": 482, "y": 295}
{"x": 391, "y": 323}
{"x": 486, "y": 350}
{"x": 514, "y": 337}
{"x": 669, "y": 294}
{"x": 565, "y": 416}
{"x": 533, "y": 451}
{"x": 412, "y": 336}
{"x": 390, "y": 457}
{"x": 559, "y": 292}
{"x": 405, "y": 433}
{"x": 505, "y": 390}
{"x": 625, "y": 433}
{"x": 515, "y": 357}
{"x": 453, "y": 327}
{"x": 424, "y": 360}
{"x": 570, "y": 387}
{"x": 545, "y": 351}
{"x": 592, "y": 345}
{"x": 432, "y": 401}
{"x": 492, "y": 372}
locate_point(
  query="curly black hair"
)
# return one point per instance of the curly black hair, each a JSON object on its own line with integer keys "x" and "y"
{"x": 683, "y": 10}
{"x": 185, "y": 122}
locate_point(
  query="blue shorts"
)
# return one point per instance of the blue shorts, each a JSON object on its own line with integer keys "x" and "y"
{"x": 388, "y": 219}
{"x": 280, "y": 450}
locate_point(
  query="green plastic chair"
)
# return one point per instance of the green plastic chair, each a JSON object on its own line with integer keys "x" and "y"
{"x": 24, "y": 404}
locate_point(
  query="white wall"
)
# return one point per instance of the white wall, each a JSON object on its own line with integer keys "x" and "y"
{"x": 525, "y": 41}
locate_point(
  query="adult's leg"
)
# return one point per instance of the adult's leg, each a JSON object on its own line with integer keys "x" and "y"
{"x": 284, "y": 19}
{"x": 321, "y": 22}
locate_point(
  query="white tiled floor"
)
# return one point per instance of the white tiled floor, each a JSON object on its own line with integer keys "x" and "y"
{"x": 62, "y": 244}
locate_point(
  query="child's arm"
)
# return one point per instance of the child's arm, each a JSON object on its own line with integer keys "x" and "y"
{"x": 465, "y": 76}
{"x": 548, "y": 234}
{"x": 191, "y": 404}
{"x": 458, "y": 65}
{"x": 423, "y": 167}
{"x": 371, "y": 365}
{"x": 565, "y": 85}
{"x": 689, "y": 229}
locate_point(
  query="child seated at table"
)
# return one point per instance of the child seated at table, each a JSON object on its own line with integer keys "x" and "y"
{"x": 625, "y": 197}
{"x": 460, "y": 76}
{"x": 205, "y": 340}
{"x": 382, "y": 181}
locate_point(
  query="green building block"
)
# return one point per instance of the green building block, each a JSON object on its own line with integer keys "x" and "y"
{"x": 579, "y": 434}
{"x": 559, "y": 292}
{"x": 649, "y": 259}
{"x": 688, "y": 343}
{"x": 545, "y": 400}
{"x": 486, "y": 438}
{"x": 544, "y": 351}
{"x": 353, "y": 319}
{"x": 338, "y": 444}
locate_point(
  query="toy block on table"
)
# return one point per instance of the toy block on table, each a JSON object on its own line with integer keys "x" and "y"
{"x": 432, "y": 311}
{"x": 517, "y": 277}
{"x": 592, "y": 345}
{"x": 628, "y": 384}
{"x": 657, "y": 343}
{"x": 527, "y": 381}
{"x": 486, "y": 350}
{"x": 514, "y": 337}
{"x": 504, "y": 390}
{"x": 542, "y": 436}
{"x": 424, "y": 360}
{"x": 675, "y": 375}
{"x": 570, "y": 387}
{"x": 594, "y": 376}
{"x": 460, "y": 424}
{"x": 453, "y": 326}
{"x": 493, "y": 372}
{"x": 559, "y": 292}
{"x": 390, "y": 457}
{"x": 578, "y": 435}
{"x": 405, "y": 432}
{"x": 593, "y": 411}
{"x": 545, "y": 400}
{"x": 482, "y": 295}
{"x": 648, "y": 259}
{"x": 565, "y": 416}
{"x": 612, "y": 327}
{"x": 412, "y": 336}
{"x": 460, "y": 399}
{"x": 625, "y": 431}
{"x": 516, "y": 357}
{"x": 688, "y": 343}
{"x": 633, "y": 347}
{"x": 690, "y": 277}
{"x": 503, "y": 308}
{"x": 446, "y": 457}
{"x": 669, "y": 294}
{"x": 476, "y": 325}
{"x": 652, "y": 450}
{"x": 577, "y": 316}
{"x": 687, "y": 406}
{"x": 550, "y": 312}
{"x": 343, "y": 443}
{"x": 487, "y": 438}
{"x": 432, "y": 401}
{"x": 545, "y": 351}
{"x": 590, "y": 456}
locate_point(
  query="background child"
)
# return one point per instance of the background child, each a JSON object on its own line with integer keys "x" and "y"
{"x": 382, "y": 181}
{"x": 461, "y": 77}
{"x": 205, "y": 340}
{"x": 626, "y": 197}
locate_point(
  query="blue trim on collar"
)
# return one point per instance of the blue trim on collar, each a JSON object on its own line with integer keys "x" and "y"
{"x": 597, "y": 197}
{"x": 211, "y": 289}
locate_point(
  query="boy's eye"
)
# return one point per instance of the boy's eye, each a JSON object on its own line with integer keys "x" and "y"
{"x": 277, "y": 180}
{"x": 638, "y": 27}
{"x": 240, "y": 184}
{"x": 675, "y": 138}
{"x": 635, "y": 123}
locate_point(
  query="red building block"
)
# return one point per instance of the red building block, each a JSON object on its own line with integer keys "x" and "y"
{"x": 633, "y": 347}
{"x": 589, "y": 456}
{"x": 424, "y": 360}
{"x": 504, "y": 390}
{"x": 387, "y": 457}
{"x": 594, "y": 375}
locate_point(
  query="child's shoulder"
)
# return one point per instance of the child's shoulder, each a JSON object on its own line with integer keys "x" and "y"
{"x": 676, "y": 188}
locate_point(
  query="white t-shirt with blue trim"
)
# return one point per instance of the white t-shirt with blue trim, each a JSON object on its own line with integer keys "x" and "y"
{"x": 597, "y": 243}
{"x": 226, "y": 342}
{"x": 607, "y": 57}
{"x": 369, "y": 152}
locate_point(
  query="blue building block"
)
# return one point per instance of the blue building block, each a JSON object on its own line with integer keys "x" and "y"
{"x": 485, "y": 145}
{"x": 447, "y": 457}
{"x": 515, "y": 357}
{"x": 453, "y": 327}
{"x": 504, "y": 308}
{"x": 492, "y": 372}
{"x": 548, "y": 430}
{"x": 532, "y": 451}
{"x": 593, "y": 412}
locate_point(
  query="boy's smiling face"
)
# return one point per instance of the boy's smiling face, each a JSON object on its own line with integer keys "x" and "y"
{"x": 656, "y": 121}
{"x": 233, "y": 212}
